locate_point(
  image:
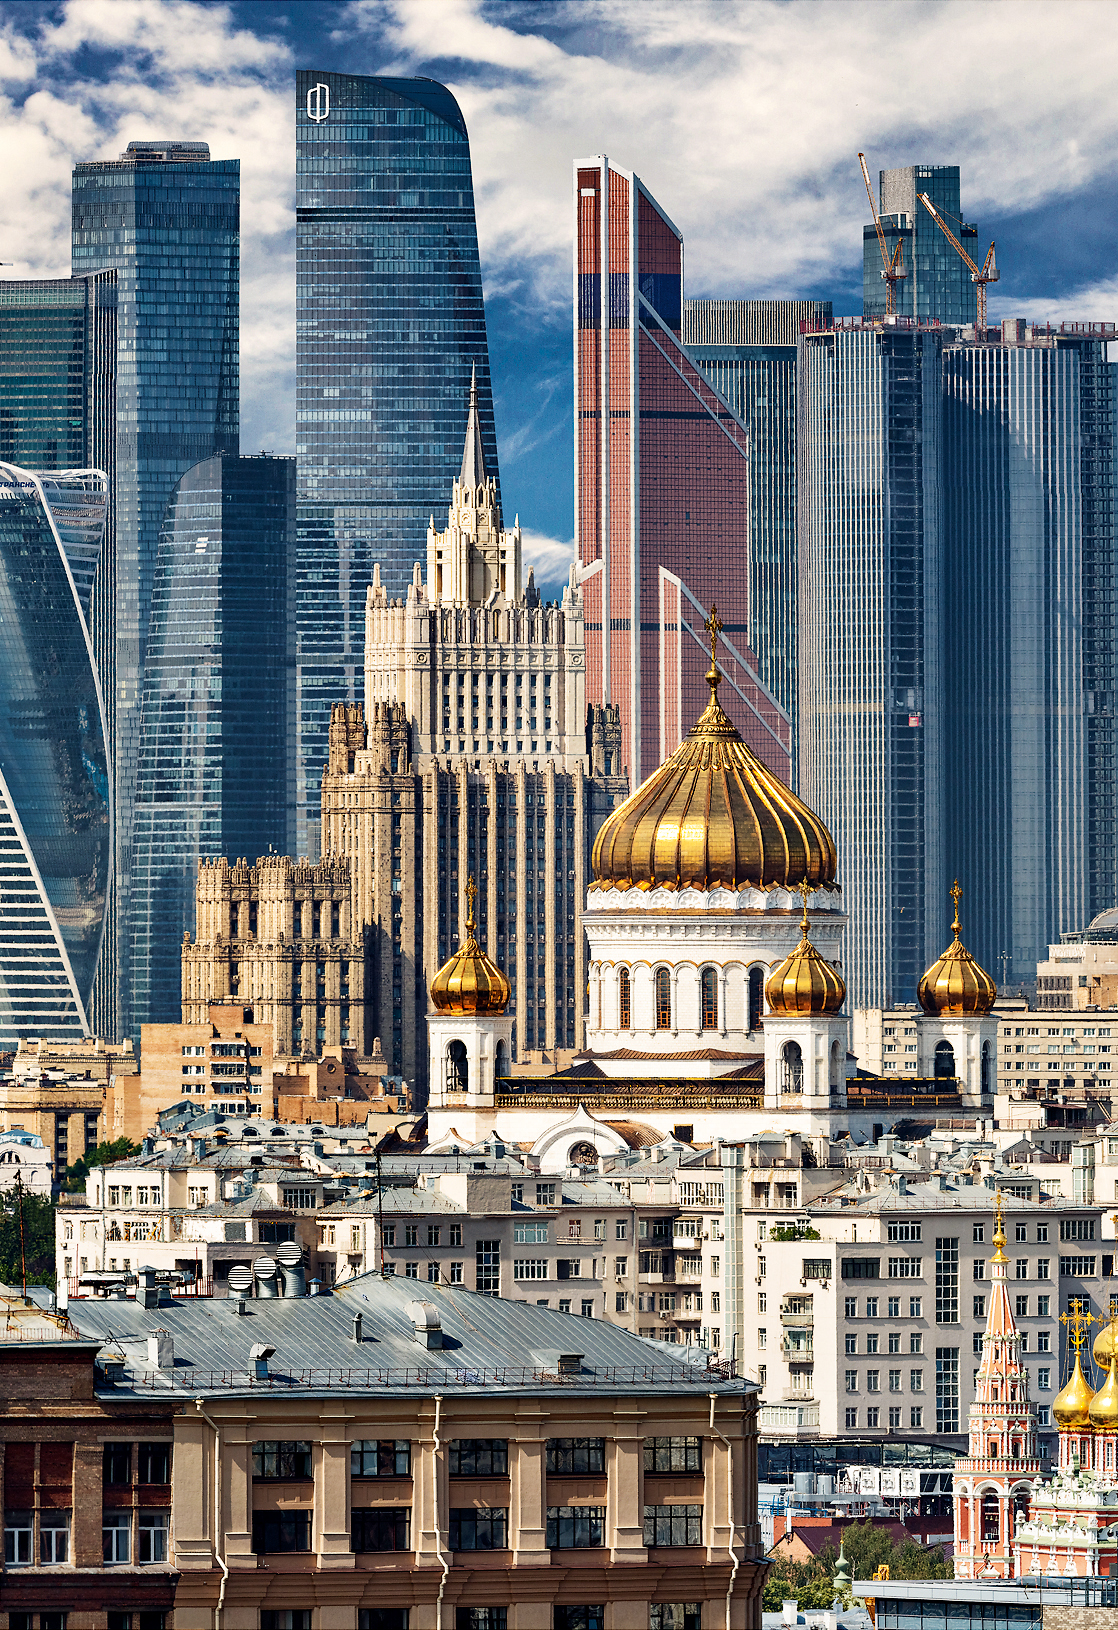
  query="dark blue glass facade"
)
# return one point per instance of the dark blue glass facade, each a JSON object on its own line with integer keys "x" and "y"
{"x": 216, "y": 743}
{"x": 168, "y": 219}
{"x": 390, "y": 323}
{"x": 55, "y": 801}
{"x": 937, "y": 287}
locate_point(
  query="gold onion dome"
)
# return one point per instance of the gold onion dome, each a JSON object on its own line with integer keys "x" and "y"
{"x": 1104, "y": 1405}
{"x": 470, "y": 982}
{"x": 713, "y": 817}
{"x": 956, "y": 983}
{"x": 1072, "y": 1404}
{"x": 805, "y": 982}
{"x": 1105, "y": 1344}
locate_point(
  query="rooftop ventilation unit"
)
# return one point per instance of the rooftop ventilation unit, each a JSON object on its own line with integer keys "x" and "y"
{"x": 260, "y": 1354}
{"x": 264, "y": 1273}
{"x": 240, "y": 1286}
{"x": 290, "y": 1259}
{"x": 428, "y": 1325}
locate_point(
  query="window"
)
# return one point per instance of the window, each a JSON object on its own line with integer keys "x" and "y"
{"x": 1021, "y": 1268}
{"x": 381, "y": 1528}
{"x": 663, "y": 999}
{"x": 116, "y": 1536}
{"x": 533, "y": 1233}
{"x": 894, "y": 1307}
{"x": 277, "y": 1461}
{"x": 916, "y": 1417}
{"x": 480, "y": 1618}
{"x": 873, "y": 1417}
{"x": 817, "y": 1267}
{"x": 978, "y": 1268}
{"x": 894, "y": 1420}
{"x": 873, "y": 1380}
{"x": 116, "y": 1463}
{"x": 1042, "y": 1270}
{"x": 578, "y": 1618}
{"x": 1021, "y": 1308}
{"x": 1042, "y": 1233}
{"x": 624, "y": 1000}
{"x": 576, "y": 1457}
{"x": 432, "y": 1273}
{"x": 487, "y": 1254}
{"x": 545, "y": 1194}
{"x": 906, "y": 1267}
{"x": 479, "y": 1528}
{"x": 153, "y": 1536}
{"x": 1044, "y": 1379}
{"x": 279, "y": 1531}
{"x": 455, "y": 1233}
{"x": 298, "y": 1199}
{"x": 1042, "y": 1341}
{"x": 575, "y": 1527}
{"x": 1079, "y": 1265}
{"x": 947, "y": 1281}
{"x": 852, "y": 1380}
{"x": 17, "y": 1539}
{"x": 894, "y": 1380}
{"x": 292, "y": 1618}
{"x": 903, "y": 1232}
{"x": 673, "y": 1454}
{"x": 151, "y": 1619}
{"x": 1021, "y": 1233}
{"x": 894, "y": 1341}
{"x": 979, "y": 1233}
{"x": 947, "y": 1389}
{"x": 1077, "y": 1228}
{"x": 871, "y": 1342}
{"x": 673, "y": 1525}
{"x": 916, "y": 1380}
{"x": 380, "y": 1457}
{"x": 411, "y": 1233}
{"x": 155, "y": 1462}
{"x": 979, "y": 1307}
{"x": 709, "y": 999}
{"x": 851, "y": 1305}
{"x": 851, "y": 1419}
{"x": 861, "y": 1267}
{"x": 54, "y": 1537}
{"x": 479, "y": 1457}
{"x": 851, "y": 1344}
{"x": 675, "y": 1616}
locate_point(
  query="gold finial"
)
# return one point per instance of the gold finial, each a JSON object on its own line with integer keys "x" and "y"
{"x": 956, "y": 894}
{"x": 471, "y": 896}
{"x": 1078, "y": 1323}
{"x": 713, "y": 626}
{"x": 999, "y": 1228}
{"x": 804, "y": 891}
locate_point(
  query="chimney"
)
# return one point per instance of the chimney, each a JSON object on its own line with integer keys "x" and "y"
{"x": 161, "y": 1350}
{"x": 357, "y": 1328}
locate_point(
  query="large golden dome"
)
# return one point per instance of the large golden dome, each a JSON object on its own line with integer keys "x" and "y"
{"x": 713, "y": 817}
{"x": 1072, "y": 1404}
{"x": 805, "y": 982}
{"x": 955, "y": 983}
{"x": 1106, "y": 1345}
{"x": 469, "y": 982}
{"x": 1104, "y": 1405}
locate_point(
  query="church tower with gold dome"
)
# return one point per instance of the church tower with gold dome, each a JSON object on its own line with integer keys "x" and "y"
{"x": 469, "y": 1031}
{"x": 958, "y": 1033}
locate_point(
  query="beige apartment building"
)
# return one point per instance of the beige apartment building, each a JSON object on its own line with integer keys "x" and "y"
{"x": 1081, "y": 972}
{"x": 57, "y": 1091}
{"x": 452, "y": 1461}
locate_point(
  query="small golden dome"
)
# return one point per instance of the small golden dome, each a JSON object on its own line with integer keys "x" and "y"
{"x": 956, "y": 983}
{"x": 1105, "y": 1344}
{"x": 1104, "y": 1405}
{"x": 805, "y": 982}
{"x": 469, "y": 982}
{"x": 1072, "y": 1404}
{"x": 713, "y": 817}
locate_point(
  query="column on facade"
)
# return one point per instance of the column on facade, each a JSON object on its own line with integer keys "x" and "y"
{"x": 625, "y": 1496}
{"x": 528, "y": 1490}
{"x": 332, "y": 1516}
{"x": 235, "y": 1473}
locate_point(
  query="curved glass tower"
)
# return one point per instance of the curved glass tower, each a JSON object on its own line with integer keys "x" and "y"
{"x": 55, "y": 803}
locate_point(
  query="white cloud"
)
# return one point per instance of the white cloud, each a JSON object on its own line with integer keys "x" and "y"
{"x": 549, "y": 558}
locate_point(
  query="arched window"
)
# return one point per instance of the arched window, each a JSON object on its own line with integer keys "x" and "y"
{"x": 756, "y": 997}
{"x": 792, "y": 1067}
{"x": 991, "y": 1516}
{"x": 457, "y": 1068}
{"x": 502, "y": 1058}
{"x": 710, "y": 998}
{"x": 1020, "y": 1500}
{"x": 663, "y": 999}
{"x": 836, "y": 1064}
{"x": 624, "y": 1001}
{"x": 985, "y": 1069}
{"x": 945, "y": 1060}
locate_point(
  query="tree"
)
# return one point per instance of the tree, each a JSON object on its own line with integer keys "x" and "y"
{"x": 867, "y": 1548}
{"x": 38, "y": 1238}
{"x": 104, "y": 1155}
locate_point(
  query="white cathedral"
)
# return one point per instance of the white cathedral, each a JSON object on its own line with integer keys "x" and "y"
{"x": 715, "y": 1006}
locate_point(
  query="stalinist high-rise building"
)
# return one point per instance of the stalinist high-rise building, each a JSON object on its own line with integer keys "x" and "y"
{"x": 474, "y": 756}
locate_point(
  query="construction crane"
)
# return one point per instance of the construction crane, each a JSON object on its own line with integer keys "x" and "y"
{"x": 892, "y": 268}
{"x": 989, "y": 272}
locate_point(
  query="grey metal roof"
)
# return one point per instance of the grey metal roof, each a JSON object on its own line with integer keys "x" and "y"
{"x": 927, "y": 1197}
{"x": 489, "y": 1343}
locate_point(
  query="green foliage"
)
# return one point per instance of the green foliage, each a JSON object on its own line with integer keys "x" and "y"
{"x": 38, "y": 1239}
{"x": 794, "y": 1231}
{"x": 867, "y": 1548}
{"x": 103, "y": 1155}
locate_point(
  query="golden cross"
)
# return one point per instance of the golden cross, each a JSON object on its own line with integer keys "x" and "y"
{"x": 1078, "y": 1321}
{"x": 956, "y": 894}
{"x": 804, "y": 891}
{"x": 999, "y": 1219}
{"x": 713, "y": 626}
{"x": 471, "y": 896}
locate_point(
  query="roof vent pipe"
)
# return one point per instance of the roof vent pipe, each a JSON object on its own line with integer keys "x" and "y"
{"x": 314, "y": 1287}
{"x": 260, "y": 1354}
{"x": 290, "y": 1258}
{"x": 264, "y": 1273}
{"x": 428, "y": 1325}
{"x": 357, "y": 1327}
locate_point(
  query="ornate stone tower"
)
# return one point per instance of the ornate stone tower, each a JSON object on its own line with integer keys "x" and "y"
{"x": 994, "y": 1482}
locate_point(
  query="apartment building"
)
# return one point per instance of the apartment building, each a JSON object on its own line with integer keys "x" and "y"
{"x": 1041, "y": 1052}
{"x": 55, "y": 1090}
{"x": 386, "y": 1463}
{"x": 887, "y": 1291}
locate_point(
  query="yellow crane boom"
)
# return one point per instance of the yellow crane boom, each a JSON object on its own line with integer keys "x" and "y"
{"x": 892, "y": 267}
{"x": 989, "y": 272}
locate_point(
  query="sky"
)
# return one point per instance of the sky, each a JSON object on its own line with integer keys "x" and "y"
{"x": 744, "y": 118}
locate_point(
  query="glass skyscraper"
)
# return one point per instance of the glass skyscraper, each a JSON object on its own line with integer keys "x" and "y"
{"x": 167, "y": 218}
{"x": 390, "y": 324}
{"x": 747, "y": 349}
{"x": 662, "y": 523}
{"x": 55, "y": 798}
{"x": 938, "y": 286}
{"x": 869, "y": 717}
{"x": 216, "y": 754}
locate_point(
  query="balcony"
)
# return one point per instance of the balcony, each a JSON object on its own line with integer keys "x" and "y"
{"x": 798, "y": 1352}
{"x": 797, "y": 1321}
{"x": 788, "y": 1417}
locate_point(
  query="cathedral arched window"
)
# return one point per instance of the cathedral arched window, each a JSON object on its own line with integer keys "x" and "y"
{"x": 624, "y": 1000}
{"x": 663, "y": 999}
{"x": 945, "y": 1060}
{"x": 710, "y": 999}
{"x": 836, "y": 1064}
{"x": 791, "y": 1067}
{"x": 502, "y": 1059}
{"x": 457, "y": 1067}
{"x": 756, "y": 997}
{"x": 985, "y": 1069}
{"x": 991, "y": 1516}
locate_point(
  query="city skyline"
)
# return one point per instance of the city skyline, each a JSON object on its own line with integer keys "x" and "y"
{"x": 791, "y": 225}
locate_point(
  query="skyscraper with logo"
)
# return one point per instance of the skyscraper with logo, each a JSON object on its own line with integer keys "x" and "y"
{"x": 167, "y": 218}
{"x": 661, "y": 489}
{"x": 390, "y": 326}
{"x": 937, "y": 286}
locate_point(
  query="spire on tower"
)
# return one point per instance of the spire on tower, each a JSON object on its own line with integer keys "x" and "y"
{"x": 473, "y": 455}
